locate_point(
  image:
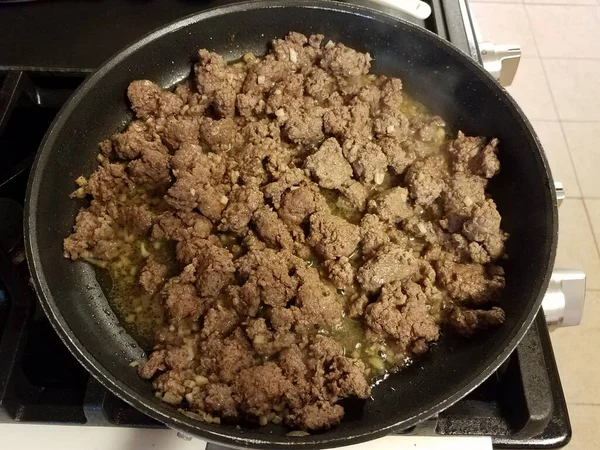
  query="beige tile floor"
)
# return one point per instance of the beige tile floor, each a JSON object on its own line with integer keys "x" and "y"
{"x": 558, "y": 87}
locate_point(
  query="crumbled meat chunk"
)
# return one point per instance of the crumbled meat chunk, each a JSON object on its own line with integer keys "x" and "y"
{"x": 304, "y": 128}
{"x": 181, "y": 298}
{"x": 108, "y": 182}
{"x": 428, "y": 128}
{"x": 399, "y": 158}
{"x": 344, "y": 62}
{"x": 265, "y": 341}
{"x": 220, "y": 82}
{"x": 219, "y": 401}
{"x": 182, "y": 194}
{"x": 152, "y": 276}
{"x": 292, "y": 365}
{"x": 369, "y": 95}
{"x": 219, "y": 321}
{"x": 356, "y": 306}
{"x": 328, "y": 165}
{"x": 297, "y": 49}
{"x": 148, "y": 99}
{"x": 286, "y": 93}
{"x": 243, "y": 203}
{"x": 267, "y": 279}
{"x": 225, "y": 357}
{"x": 257, "y": 389}
{"x": 263, "y": 74}
{"x": 250, "y": 105}
{"x": 403, "y": 316}
{"x": 191, "y": 159}
{"x": 324, "y": 349}
{"x": 424, "y": 179}
{"x": 316, "y": 306}
{"x": 355, "y": 194}
{"x": 210, "y": 202}
{"x": 319, "y": 84}
{"x": 214, "y": 270}
{"x": 91, "y": 233}
{"x": 391, "y": 263}
{"x": 467, "y": 322}
{"x": 179, "y": 358}
{"x": 470, "y": 283}
{"x": 346, "y": 378}
{"x": 392, "y": 205}
{"x": 155, "y": 362}
{"x": 391, "y": 124}
{"x": 138, "y": 218}
{"x": 272, "y": 229}
{"x": 391, "y": 94}
{"x": 255, "y": 159}
{"x": 463, "y": 192}
{"x": 348, "y": 122}
{"x": 332, "y": 236}
{"x": 478, "y": 253}
{"x": 484, "y": 227}
{"x": 180, "y": 130}
{"x": 181, "y": 226}
{"x": 220, "y": 135}
{"x": 316, "y": 416}
{"x": 487, "y": 164}
{"x": 473, "y": 155}
{"x": 282, "y": 319}
{"x": 298, "y": 204}
{"x": 195, "y": 104}
{"x": 373, "y": 234}
{"x": 274, "y": 191}
{"x": 256, "y": 131}
{"x": 191, "y": 250}
{"x": 151, "y": 170}
{"x": 368, "y": 161}
{"x": 340, "y": 272}
{"x": 133, "y": 141}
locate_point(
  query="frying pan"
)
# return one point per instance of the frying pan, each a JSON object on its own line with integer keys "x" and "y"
{"x": 447, "y": 81}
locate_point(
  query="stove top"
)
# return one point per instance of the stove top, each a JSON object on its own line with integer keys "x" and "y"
{"x": 46, "y": 51}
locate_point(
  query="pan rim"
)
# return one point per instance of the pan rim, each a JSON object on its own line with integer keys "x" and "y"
{"x": 200, "y": 429}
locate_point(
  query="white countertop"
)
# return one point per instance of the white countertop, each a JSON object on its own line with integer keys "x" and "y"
{"x": 60, "y": 437}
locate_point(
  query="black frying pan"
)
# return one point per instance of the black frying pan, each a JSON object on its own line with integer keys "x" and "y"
{"x": 444, "y": 79}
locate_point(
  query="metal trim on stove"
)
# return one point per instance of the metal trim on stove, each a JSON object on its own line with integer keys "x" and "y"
{"x": 472, "y": 42}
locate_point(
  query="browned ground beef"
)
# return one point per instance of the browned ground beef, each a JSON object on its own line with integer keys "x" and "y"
{"x": 302, "y": 227}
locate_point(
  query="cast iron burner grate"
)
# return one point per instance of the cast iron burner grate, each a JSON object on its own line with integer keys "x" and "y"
{"x": 521, "y": 406}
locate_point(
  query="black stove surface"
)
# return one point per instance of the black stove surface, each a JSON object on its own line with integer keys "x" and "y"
{"x": 46, "y": 50}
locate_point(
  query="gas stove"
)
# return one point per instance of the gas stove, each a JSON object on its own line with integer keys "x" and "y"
{"x": 46, "y": 51}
